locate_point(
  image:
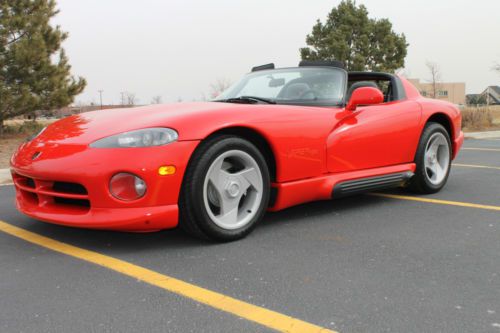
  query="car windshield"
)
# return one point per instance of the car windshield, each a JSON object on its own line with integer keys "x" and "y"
{"x": 323, "y": 86}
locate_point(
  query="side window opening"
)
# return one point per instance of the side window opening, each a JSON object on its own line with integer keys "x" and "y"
{"x": 384, "y": 85}
{"x": 389, "y": 84}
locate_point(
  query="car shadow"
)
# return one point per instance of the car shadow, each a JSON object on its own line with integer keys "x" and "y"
{"x": 318, "y": 209}
{"x": 113, "y": 242}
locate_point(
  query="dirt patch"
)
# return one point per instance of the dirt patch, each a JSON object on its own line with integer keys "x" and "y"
{"x": 8, "y": 146}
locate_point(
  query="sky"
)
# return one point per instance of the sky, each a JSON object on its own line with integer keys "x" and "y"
{"x": 177, "y": 48}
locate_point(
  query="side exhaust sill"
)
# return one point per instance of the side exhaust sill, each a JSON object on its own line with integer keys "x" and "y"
{"x": 362, "y": 185}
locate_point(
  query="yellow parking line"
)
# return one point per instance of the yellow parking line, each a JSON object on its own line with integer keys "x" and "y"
{"x": 476, "y": 166}
{"x": 436, "y": 201}
{"x": 260, "y": 315}
{"x": 481, "y": 149}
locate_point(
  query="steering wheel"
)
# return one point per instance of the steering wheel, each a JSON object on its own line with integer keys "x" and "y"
{"x": 305, "y": 92}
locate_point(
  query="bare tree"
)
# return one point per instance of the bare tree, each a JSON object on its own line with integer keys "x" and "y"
{"x": 156, "y": 99}
{"x": 404, "y": 72}
{"x": 219, "y": 86}
{"x": 496, "y": 67}
{"x": 201, "y": 98}
{"x": 130, "y": 98}
{"x": 434, "y": 79}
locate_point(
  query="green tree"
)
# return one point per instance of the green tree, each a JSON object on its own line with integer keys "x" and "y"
{"x": 362, "y": 43}
{"x": 34, "y": 70}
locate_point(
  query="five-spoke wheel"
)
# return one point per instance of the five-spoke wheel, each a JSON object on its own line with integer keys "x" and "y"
{"x": 437, "y": 158}
{"x": 433, "y": 160}
{"x": 232, "y": 191}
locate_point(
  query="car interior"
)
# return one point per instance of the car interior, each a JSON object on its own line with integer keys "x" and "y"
{"x": 317, "y": 86}
{"x": 388, "y": 84}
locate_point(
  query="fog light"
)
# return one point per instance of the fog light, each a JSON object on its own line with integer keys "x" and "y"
{"x": 127, "y": 187}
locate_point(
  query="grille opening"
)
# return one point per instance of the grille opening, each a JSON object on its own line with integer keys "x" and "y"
{"x": 72, "y": 202}
{"x": 72, "y": 188}
{"x": 30, "y": 182}
{"x": 30, "y": 196}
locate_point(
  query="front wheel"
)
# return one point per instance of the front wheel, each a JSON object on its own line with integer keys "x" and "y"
{"x": 433, "y": 160}
{"x": 226, "y": 189}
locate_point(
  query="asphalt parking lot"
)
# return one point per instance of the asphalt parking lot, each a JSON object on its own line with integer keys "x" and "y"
{"x": 396, "y": 263}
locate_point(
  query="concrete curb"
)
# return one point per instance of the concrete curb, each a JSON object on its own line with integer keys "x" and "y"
{"x": 483, "y": 135}
{"x": 5, "y": 177}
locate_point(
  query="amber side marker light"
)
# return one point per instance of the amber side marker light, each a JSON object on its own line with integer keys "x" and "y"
{"x": 166, "y": 170}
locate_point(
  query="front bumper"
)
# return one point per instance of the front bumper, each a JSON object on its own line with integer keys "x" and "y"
{"x": 45, "y": 186}
{"x": 457, "y": 144}
{"x": 123, "y": 219}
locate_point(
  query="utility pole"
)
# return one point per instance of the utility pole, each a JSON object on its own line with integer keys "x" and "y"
{"x": 123, "y": 98}
{"x": 100, "y": 96}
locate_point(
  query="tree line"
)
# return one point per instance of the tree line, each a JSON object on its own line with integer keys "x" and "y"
{"x": 29, "y": 77}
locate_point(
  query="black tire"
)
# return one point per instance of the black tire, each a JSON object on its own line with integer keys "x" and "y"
{"x": 194, "y": 218}
{"x": 420, "y": 182}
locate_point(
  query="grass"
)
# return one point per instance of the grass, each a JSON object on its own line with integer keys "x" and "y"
{"x": 27, "y": 128}
{"x": 15, "y": 132}
{"x": 480, "y": 118}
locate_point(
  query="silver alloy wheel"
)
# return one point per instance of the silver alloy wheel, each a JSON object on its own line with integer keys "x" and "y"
{"x": 232, "y": 190}
{"x": 437, "y": 158}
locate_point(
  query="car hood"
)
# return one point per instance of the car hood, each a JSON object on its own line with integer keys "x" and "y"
{"x": 88, "y": 127}
{"x": 191, "y": 120}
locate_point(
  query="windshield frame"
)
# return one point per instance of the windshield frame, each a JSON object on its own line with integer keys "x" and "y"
{"x": 304, "y": 102}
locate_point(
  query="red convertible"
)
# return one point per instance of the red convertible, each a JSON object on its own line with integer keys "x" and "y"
{"x": 276, "y": 138}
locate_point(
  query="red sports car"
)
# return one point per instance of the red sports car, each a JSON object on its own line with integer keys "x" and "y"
{"x": 276, "y": 138}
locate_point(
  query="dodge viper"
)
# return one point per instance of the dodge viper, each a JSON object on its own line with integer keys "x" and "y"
{"x": 276, "y": 138}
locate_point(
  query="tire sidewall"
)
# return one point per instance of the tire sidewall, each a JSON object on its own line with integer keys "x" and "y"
{"x": 421, "y": 174}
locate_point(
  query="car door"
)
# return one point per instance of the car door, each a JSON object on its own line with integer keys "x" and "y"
{"x": 374, "y": 136}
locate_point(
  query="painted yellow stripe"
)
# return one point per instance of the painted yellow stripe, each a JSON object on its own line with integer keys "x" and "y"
{"x": 437, "y": 201}
{"x": 260, "y": 315}
{"x": 481, "y": 149}
{"x": 476, "y": 166}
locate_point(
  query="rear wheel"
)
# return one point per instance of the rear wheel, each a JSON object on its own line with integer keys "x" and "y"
{"x": 433, "y": 160}
{"x": 226, "y": 189}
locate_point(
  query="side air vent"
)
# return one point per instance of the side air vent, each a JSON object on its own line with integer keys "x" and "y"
{"x": 352, "y": 187}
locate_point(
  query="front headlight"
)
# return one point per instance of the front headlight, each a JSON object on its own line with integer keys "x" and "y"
{"x": 147, "y": 137}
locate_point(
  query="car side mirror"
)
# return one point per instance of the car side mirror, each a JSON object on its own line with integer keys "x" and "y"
{"x": 364, "y": 96}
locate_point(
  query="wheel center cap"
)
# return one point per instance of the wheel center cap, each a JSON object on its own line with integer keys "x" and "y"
{"x": 233, "y": 189}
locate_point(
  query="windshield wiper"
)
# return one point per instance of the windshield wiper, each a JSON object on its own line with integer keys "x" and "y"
{"x": 246, "y": 99}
